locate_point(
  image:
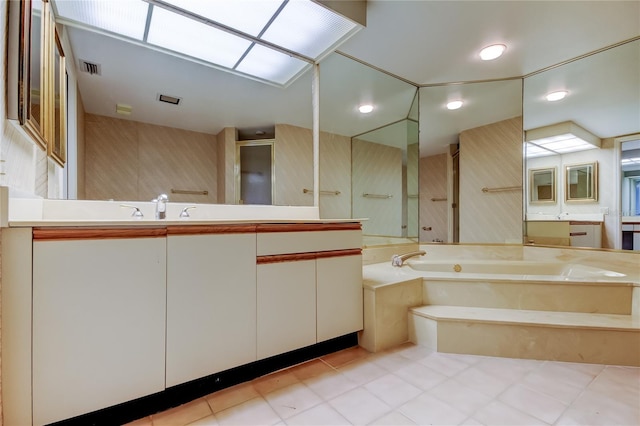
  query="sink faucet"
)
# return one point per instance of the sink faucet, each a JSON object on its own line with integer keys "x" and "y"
{"x": 399, "y": 259}
{"x": 161, "y": 206}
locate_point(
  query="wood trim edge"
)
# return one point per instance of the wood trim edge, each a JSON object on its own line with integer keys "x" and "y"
{"x": 210, "y": 229}
{"x": 53, "y": 234}
{"x": 295, "y": 257}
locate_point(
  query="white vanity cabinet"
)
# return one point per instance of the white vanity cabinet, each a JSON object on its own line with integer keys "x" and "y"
{"x": 286, "y": 306}
{"x": 211, "y": 300}
{"x": 309, "y": 285}
{"x": 339, "y": 295}
{"x": 586, "y": 234}
{"x": 98, "y": 319}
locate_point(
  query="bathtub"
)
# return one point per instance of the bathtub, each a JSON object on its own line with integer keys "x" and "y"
{"x": 510, "y": 269}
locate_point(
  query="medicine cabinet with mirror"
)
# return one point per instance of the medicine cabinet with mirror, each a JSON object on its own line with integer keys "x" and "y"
{"x": 36, "y": 89}
{"x": 542, "y": 185}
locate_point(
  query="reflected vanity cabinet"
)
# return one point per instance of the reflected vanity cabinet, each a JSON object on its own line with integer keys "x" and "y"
{"x": 90, "y": 308}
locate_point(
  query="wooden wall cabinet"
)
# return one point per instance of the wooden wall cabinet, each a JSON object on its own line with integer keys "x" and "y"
{"x": 36, "y": 76}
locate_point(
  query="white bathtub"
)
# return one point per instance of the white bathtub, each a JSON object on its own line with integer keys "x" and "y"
{"x": 511, "y": 269}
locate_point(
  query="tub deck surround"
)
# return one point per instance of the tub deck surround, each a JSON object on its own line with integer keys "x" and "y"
{"x": 584, "y": 314}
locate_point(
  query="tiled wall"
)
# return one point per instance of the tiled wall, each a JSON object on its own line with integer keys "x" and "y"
{"x": 491, "y": 156}
{"x": 433, "y": 185}
{"x": 377, "y": 169}
{"x": 129, "y": 160}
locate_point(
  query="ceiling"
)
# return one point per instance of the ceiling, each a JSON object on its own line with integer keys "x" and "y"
{"x": 425, "y": 43}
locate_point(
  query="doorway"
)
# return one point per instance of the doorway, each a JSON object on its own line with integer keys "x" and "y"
{"x": 255, "y": 174}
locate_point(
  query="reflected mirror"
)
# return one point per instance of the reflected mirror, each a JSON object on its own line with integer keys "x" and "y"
{"x": 542, "y": 186}
{"x": 381, "y": 145}
{"x": 606, "y": 111}
{"x": 471, "y": 163}
{"x": 58, "y": 147}
{"x": 581, "y": 182}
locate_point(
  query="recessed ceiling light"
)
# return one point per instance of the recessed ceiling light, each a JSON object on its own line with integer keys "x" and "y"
{"x": 454, "y": 104}
{"x": 492, "y": 52}
{"x": 556, "y": 96}
{"x": 365, "y": 109}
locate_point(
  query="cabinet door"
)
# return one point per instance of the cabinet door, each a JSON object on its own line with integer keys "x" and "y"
{"x": 98, "y": 324}
{"x": 339, "y": 293}
{"x": 211, "y": 304}
{"x": 286, "y": 306}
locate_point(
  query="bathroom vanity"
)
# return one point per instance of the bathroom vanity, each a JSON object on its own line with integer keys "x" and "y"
{"x": 101, "y": 313}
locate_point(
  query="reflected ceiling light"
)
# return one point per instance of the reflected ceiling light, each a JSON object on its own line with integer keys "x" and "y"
{"x": 492, "y": 52}
{"x": 365, "y": 109}
{"x": 556, "y": 96}
{"x": 454, "y": 105}
{"x": 560, "y": 138}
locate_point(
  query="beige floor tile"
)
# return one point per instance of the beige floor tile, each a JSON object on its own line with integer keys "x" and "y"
{"x": 443, "y": 364}
{"x": 461, "y": 397}
{"x": 413, "y": 352}
{"x": 594, "y": 408}
{"x": 183, "y": 415}
{"x": 592, "y": 369}
{"x": 330, "y": 385}
{"x": 251, "y": 413}
{"x": 428, "y": 410}
{"x": 229, "y": 397}
{"x": 618, "y": 383}
{"x": 206, "y": 421}
{"x": 338, "y": 359}
{"x": 420, "y": 376}
{"x": 274, "y": 381}
{"x": 309, "y": 369}
{"x": 389, "y": 361}
{"x": 545, "y": 383}
{"x": 538, "y": 405}
{"x": 394, "y": 418}
{"x": 393, "y": 390}
{"x": 509, "y": 370}
{"x": 567, "y": 373}
{"x": 359, "y": 406}
{"x": 292, "y": 400}
{"x": 362, "y": 371}
{"x": 498, "y": 413}
{"x": 320, "y": 415}
{"x": 471, "y": 422}
{"x": 481, "y": 381}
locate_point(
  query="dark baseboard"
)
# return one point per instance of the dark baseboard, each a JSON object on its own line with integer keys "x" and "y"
{"x": 181, "y": 394}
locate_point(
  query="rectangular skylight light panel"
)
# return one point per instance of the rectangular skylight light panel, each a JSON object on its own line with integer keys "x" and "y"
{"x": 248, "y": 16}
{"x": 308, "y": 28}
{"x": 566, "y": 145}
{"x": 183, "y": 35}
{"x": 124, "y": 17}
{"x": 270, "y": 65}
{"x": 536, "y": 151}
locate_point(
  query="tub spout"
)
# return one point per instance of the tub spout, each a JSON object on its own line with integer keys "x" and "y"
{"x": 399, "y": 259}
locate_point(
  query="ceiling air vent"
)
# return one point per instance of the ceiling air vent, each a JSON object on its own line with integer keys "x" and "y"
{"x": 90, "y": 67}
{"x": 169, "y": 99}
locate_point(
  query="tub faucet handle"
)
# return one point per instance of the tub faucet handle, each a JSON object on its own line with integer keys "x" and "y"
{"x": 399, "y": 259}
{"x": 136, "y": 211}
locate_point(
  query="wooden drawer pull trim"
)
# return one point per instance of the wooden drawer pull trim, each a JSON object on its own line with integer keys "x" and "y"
{"x": 294, "y": 257}
{"x": 304, "y": 227}
{"x": 49, "y": 234}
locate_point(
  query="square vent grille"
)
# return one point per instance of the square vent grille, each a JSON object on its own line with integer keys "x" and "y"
{"x": 174, "y": 100}
{"x": 90, "y": 67}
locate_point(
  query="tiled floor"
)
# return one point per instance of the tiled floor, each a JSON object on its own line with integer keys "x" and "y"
{"x": 413, "y": 385}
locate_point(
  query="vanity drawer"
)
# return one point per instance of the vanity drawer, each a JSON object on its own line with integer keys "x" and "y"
{"x": 269, "y": 243}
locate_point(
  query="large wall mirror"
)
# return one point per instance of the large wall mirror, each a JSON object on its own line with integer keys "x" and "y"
{"x": 381, "y": 174}
{"x": 471, "y": 163}
{"x": 542, "y": 185}
{"x": 601, "y": 104}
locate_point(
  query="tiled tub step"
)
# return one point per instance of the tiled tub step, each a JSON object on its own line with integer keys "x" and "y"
{"x": 561, "y": 336}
